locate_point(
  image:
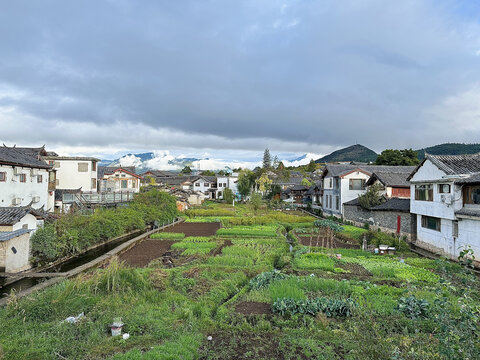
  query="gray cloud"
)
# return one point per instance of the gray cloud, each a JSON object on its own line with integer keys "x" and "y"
{"x": 240, "y": 74}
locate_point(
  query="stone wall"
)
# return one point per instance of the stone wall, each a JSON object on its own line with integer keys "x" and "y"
{"x": 384, "y": 220}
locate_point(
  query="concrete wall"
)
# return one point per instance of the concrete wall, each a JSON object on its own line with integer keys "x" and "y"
{"x": 347, "y": 194}
{"x": 113, "y": 182}
{"x": 12, "y": 262}
{"x": 385, "y": 220}
{"x": 68, "y": 176}
{"x": 26, "y": 191}
{"x": 29, "y": 220}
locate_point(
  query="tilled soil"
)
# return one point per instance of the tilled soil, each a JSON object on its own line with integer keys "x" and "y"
{"x": 144, "y": 252}
{"x": 218, "y": 251}
{"x": 337, "y": 244}
{"x": 253, "y": 307}
{"x": 195, "y": 229}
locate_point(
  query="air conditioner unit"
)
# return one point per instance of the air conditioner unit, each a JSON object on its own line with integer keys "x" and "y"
{"x": 447, "y": 199}
{"x": 17, "y": 171}
{"x": 33, "y": 172}
{"x": 36, "y": 199}
{"x": 16, "y": 201}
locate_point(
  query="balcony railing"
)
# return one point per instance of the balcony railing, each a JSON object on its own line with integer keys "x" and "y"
{"x": 99, "y": 198}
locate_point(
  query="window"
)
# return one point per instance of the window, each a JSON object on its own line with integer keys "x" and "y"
{"x": 23, "y": 178}
{"x": 197, "y": 184}
{"x": 432, "y": 223}
{"x": 39, "y": 179}
{"x": 330, "y": 183}
{"x": 337, "y": 202}
{"x": 337, "y": 183}
{"x": 94, "y": 166}
{"x": 56, "y": 165}
{"x": 57, "y": 182}
{"x": 424, "y": 192}
{"x": 357, "y": 184}
{"x": 224, "y": 184}
{"x": 444, "y": 188}
{"x": 219, "y": 184}
{"x": 51, "y": 176}
{"x": 25, "y": 226}
{"x": 471, "y": 195}
{"x": 124, "y": 184}
{"x": 51, "y": 162}
{"x": 82, "y": 167}
{"x": 3, "y": 176}
{"x": 94, "y": 183}
{"x": 207, "y": 185}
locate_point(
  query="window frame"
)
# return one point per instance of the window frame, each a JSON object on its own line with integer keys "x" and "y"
{"x": 82, "y": 165}
{"x": 23, "y": 178}
{"x": 426, "y": 224}
{"x": 39, "y": 179}
{"x": 440, "y": 189}
{"x": 3, "y": 176}
{"x": 427, "y": 188}
{"x": 362, "y": 184}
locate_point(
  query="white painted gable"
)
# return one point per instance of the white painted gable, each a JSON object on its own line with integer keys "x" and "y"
{"x": 427, "y": 172}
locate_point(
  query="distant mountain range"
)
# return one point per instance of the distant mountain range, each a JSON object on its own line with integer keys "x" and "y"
{"x": 449, "y": 149}
{"x": 357, "y": 153}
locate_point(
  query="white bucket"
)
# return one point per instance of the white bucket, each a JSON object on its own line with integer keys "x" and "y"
{"x": 116, "y": 330}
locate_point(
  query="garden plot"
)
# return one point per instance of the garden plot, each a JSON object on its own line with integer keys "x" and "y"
{"x": 141, "y": 254}
{"x": 195, "y": 229}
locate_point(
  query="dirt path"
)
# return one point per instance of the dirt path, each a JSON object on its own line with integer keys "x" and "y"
{"x": 337, "y": 244}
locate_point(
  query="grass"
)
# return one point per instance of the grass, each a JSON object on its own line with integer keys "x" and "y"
{"x": 169, "y": 312}
{"x": 167, "y": 235}
{"x": 353, "y": 231}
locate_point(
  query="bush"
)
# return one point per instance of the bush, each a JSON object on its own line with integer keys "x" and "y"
{"x": 44, "y": 243}
{"x": 414, "y": 308}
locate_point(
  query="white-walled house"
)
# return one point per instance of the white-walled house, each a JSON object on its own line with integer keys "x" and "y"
{"x": 25, "y": 178}
{"x": 446, "y": 201}
{"x": 345, "y": 182}
{"x": 226, "y": 182}
{"x": 14, "y": 250}
{"x": 118, "y": 179}
{"x": 75, "y": 172}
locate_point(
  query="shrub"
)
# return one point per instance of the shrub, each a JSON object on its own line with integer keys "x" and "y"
{"x": 44, "y": 243}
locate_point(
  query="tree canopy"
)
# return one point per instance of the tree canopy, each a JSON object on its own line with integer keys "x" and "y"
{"x": 186, "y": 170}
{"x": 398, "y": 157}
{"x": 267, "y": 159}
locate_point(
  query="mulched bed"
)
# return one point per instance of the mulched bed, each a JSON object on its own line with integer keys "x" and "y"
{"x": 195, "y": 229}
{"x": 337, "y": 244}
{"x": 144, "y": 252}
{"x": 253, "y": 307}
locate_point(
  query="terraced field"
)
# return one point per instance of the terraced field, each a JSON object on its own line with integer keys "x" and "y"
{"x": 240, "y": 291}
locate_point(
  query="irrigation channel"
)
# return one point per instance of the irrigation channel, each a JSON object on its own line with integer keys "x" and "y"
{"x": 22, "y": 283}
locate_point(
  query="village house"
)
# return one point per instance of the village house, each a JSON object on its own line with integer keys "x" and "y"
{"x": 345, "y": 182}
{"x": 118, "y": 179}
{"x": 15, "y": 218}
{"x": 393, "y": 183}
{"x": 446, "y": 203}
{"x": 14, "y": 250}
{"x": 25, "y": 178}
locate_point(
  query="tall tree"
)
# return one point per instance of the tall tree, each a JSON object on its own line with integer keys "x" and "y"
{"x": 312, "y": 166}
{"x": 256, "y": 202}
{"x": 246, "y": 179}
{"x": 267, "y": 159}
{"x": 398, "y": 157}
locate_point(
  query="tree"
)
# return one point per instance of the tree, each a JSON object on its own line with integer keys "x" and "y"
{"x": 372, "y": 197}
{"x": 223, "y": 173}
{"x": 255, "y": 202}
{"x": 306, "y": 182}
{"x": 398, "y": 157}
{"x": 267, "y": 159}
{"x": 208, "y": 173}
{"x": 263, "y": 183}
{"x": 312, "y": 166}
{"x": 276, "y": 162}
{"x": 151, "y": 180}
{"x": 186, "y": 170}
{"x": 228, "y": 196}
{"x": 246, "y": 179}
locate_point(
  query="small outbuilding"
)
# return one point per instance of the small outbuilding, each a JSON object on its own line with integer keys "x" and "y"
{"x": 14, "y": 250}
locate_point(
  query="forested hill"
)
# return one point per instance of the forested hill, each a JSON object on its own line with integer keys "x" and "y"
{"x": 449, "y": 149}
{"x": 357, "y": 153}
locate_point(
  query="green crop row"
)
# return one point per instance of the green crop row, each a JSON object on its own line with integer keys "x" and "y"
{"x": 167, "y": 235}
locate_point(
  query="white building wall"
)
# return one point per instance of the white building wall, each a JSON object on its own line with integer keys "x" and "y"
{"x": 29, "y": 220}
{"x": 345, "y": 192}
{"x": 113, "y": 182}
{"x": 12, "y": 188}
{"x": 15, "y": 262}
{"x": 199, "y": 185}
{"x": 468, "y": 235}
{"x": 68, "y": 176}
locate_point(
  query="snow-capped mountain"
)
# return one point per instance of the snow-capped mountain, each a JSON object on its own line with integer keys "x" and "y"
{"x": 164, "y": 160}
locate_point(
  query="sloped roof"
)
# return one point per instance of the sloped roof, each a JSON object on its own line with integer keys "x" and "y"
{"x": 343, "y": 169}
{"x": 109, "y": 170}
{"x": 397, "y": 178}
{"x": 7, "y": 235}
{"x": 28, "y": 157}
{"x": 472, "y": 179}
{"x": 11, "y": 215}
{"x": 391, "y": 204}
{"x": 452, "y": 164}
{"x": 160, "y": 173}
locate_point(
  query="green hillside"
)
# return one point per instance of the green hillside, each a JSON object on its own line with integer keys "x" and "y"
{"x": 357, "y": 153}
{"x": 449, "y": 149}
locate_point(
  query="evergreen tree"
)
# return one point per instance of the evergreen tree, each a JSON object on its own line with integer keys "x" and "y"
{"x": 267, "y": 159}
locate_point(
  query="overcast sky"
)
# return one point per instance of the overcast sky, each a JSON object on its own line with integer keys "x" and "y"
{"x": 106, "y": 77}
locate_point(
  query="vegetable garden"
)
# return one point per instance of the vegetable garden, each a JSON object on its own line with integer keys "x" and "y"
{"x": 240, "y": 291}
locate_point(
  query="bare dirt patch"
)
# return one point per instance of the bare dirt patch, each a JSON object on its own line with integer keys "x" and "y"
{"x": 144, "y": 252}
{"x": 355, "y": 269}
{"x": 195, "y": 229}
{"x": 337, "y": 244}
{"x": 253, "y": 308}
{"x": 218, "y": 251}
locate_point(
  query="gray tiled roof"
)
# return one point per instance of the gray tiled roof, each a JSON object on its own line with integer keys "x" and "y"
{"x": 27, "y": 157}
{"x": 397, "y": 178}
{"x": 341, "y": 169}
{"x": 468, "y": 212}
{"x": 102, "y": 170}
{"x": 392, "y": 204}
{"x": 474, "y": 178}
{"x": 456, "y": 164}
{"x": 11, "y": 215}
{"x": 7, "y": 235}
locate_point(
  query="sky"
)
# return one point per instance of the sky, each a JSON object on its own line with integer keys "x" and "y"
{"x": 228, "y": 78}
